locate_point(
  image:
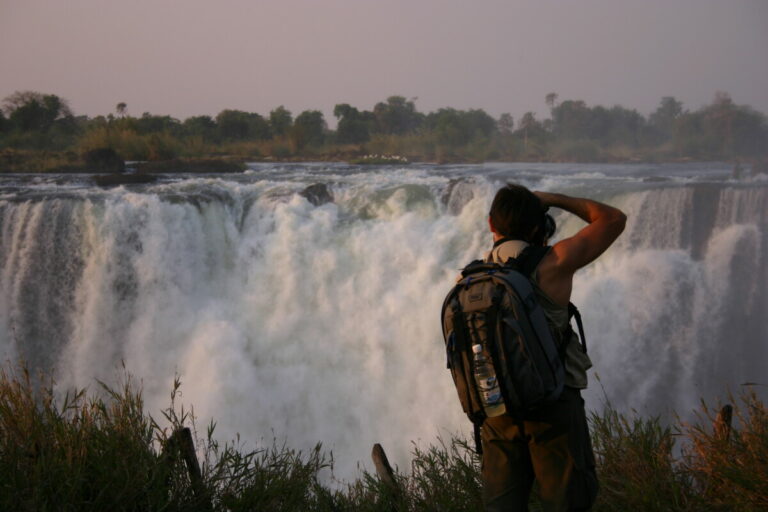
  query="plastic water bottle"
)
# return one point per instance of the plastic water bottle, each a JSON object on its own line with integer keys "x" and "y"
{"x": 487, "y": 384}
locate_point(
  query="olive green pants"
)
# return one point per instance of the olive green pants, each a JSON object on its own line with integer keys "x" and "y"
{"x": 552, "y": 446}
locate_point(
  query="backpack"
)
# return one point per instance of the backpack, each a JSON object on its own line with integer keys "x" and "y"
{"x": 495, "y": 305}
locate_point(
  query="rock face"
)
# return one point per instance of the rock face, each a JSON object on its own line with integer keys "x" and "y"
{"x": 192, "y": 165}
{"x": 458, "y": 193}
{"x": 317, "y": 194}
{"x": 111, "y": 180}
{"x": 103, "y": 160}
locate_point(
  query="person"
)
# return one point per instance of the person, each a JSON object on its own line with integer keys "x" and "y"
{"x": 550, "y": 444}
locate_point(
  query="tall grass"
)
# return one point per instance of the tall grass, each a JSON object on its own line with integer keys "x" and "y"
{"x": 637, "y": 468}
{"x": 76, "y": 453}
{"x": 24, "y": 160}
{"x": 126, "y": 142}
{"x": 731, "y": 468}
{"x": 102, "y": 451}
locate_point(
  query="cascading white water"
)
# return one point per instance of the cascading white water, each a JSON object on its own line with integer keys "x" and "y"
{"x": 321, "y": 323}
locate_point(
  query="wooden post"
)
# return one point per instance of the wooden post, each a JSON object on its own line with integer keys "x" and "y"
{"x": 181, "y": 443}
{"x": 383, "y": 469}
{"x": 386, "y": 475}
{"x": 722, "y": 426}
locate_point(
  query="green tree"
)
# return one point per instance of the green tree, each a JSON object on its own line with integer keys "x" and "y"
{"x": 34, "y": 111}
{"x": 308, "y": 129}
{"x": 527, "y": 124}
{"x": 354, "y": 126}
{"x": 200, "y": 126}
{"x": 663, "y": 119}
{"x": 749, "y": 132}
{"x": 120, "y": 109}
{"x": 149, "y": 123}
{"x": 280, "y": 121}
{"x": 38, "y": 121}
{"x": 596, "y": 123}
{"x": 506, "y": 123}
{"x": 458, "y": 127}
{"x": 449, "y": 126}
{"x": 239, "y": 125}
{"x": 550, "y": 99}
{"x": 614, "y": 126}
{"x": 732, "y": 130}
{"x": 233, "y": 124}
{"x": 626, "y": 126}
{"x": 397, "y": 116}
{"x": 687, "y": 135}
{"x": 571, "y": 119}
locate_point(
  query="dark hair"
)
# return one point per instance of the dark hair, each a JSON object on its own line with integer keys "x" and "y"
{"x": 516, "y": 212}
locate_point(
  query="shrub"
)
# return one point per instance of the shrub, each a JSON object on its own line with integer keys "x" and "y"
{"x": 731, "y": 466}
{"x": 85, "y": 454}
{"x": 126, "y": 142}
{"x": 103, "y": 452}
{"x": 578, "y": 150}
{"x": 637, "y": 469}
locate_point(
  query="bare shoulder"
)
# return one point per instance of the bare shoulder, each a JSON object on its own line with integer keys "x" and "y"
{"x": 604, "y": 224}
{"x": 554, "y": 279}
{"x": 557, "y": 268}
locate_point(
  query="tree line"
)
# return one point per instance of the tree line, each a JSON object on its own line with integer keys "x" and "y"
{"x": 574, "y": 131}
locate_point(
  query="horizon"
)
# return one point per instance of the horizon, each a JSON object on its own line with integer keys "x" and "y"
{"x": 192, "y": 58}
{"x": 332, "y": 121}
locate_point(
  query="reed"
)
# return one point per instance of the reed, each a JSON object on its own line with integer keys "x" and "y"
{"x": 730, "y": 466}
{"x": 102, "y": 451}
{"x": 636, "y": 466}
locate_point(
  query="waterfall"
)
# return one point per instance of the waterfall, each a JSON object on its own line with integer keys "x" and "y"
{"x": 319, "y": 321}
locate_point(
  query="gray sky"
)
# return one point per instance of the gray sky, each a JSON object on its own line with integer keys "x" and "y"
{"x": 189, "y": 57}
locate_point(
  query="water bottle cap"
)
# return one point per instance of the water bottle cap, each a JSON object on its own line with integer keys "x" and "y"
{"x": 477, "y": 348}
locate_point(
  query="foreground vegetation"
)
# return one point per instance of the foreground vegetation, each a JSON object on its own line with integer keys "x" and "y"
{"x": 103, "y": 452}
{"x": 39, "y": 133}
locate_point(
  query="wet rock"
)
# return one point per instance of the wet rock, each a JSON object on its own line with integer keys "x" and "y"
{"x": 192, "y": 165}
{"x": 103, "y": 160}
{"x": 112, "y": 180}
{"x": 317, "y": 194}
{"x": 458, "y": 193}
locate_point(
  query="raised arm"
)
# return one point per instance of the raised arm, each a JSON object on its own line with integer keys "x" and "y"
{"x": 604, "y": 224}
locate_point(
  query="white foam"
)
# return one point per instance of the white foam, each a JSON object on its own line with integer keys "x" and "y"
{"x": 321, "y": 323}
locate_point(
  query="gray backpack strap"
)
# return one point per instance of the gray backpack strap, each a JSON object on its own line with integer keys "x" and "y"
{"x": 529, "y": 259}
{"x": 547, "y": 348}
{"x": 573, "y": 312}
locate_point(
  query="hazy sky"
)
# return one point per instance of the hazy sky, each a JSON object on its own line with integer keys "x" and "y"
{"x": 188, "y": 57}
